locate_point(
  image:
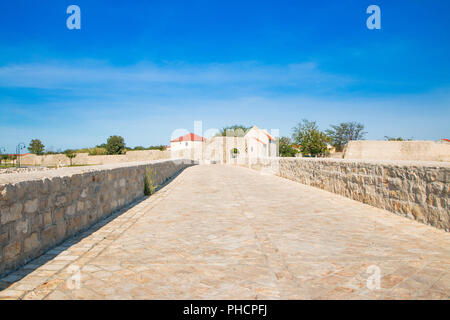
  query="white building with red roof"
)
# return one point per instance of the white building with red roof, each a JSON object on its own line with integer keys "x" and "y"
{"x": 189, "y": 146}
{"x": 252, "y": 146}
{"x": 260, "y": 144}
{"x": 188, "y": 141}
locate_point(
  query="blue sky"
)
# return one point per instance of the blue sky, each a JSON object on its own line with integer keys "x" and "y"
{"x": 142, "y": 69}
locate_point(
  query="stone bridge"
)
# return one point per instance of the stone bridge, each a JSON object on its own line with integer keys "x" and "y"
{"x": 225, "y": 232}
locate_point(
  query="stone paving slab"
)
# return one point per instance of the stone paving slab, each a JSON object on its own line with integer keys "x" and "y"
{"x": 224, "y": 232}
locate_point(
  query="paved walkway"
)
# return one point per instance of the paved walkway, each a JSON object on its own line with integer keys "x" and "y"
{"x": 222, "y": 232}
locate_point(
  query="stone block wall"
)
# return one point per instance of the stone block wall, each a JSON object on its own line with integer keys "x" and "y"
{"x": 86, "y": 159}
{"x": 41, "y": 209}
{"x": 398, "y": 150}
{"x": 414, "y": 189}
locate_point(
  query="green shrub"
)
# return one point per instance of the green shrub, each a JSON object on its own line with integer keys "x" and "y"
{"x": 70, "y": 154}
{"x": 160, "y": 147}
{"x": 82, "y": 150}
{"x": 150, "y": 182}
{"x": 97, "y": 151}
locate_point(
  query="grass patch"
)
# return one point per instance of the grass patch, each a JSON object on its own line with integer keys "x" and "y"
{"x": 150, "y": 185}
{"x": 8, "y": 165}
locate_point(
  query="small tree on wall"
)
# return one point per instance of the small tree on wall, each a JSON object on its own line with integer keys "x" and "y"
{"x": 70, "y": 154}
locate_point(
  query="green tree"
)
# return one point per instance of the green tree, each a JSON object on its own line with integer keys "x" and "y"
{"x": 115, "y": 145}
{"x": 341, "y": 134}
{"x": 36, "y": 147}
{"x": 70, "y": 154}
{"x": 312, "y": 141}
{"x": 286, "y": 148}
{"x": 234, "y": 131}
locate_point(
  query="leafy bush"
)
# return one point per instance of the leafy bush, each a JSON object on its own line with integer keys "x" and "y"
{"x": 97, "y": 151}
{"x": 312, "y": 141}
{"x": 70, "y": 154}
{"x": 115, "y": 145}
{"x": 82, "y": 150}
{"x": 160, "y": 147}
{"x": 286, "y": 148}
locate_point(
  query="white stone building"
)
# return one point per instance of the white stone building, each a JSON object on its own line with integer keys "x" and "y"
{"x": 254, "y": 145}
{"x": 189, "y": 146}
{"x": 260, "y": 144}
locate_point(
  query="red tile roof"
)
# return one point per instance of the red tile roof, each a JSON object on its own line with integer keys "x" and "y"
{"x": 22, "y": 154}
{"x": 268, "y": 136}
{"x": 189, "y": 137}
{"x": 258, "y": 140}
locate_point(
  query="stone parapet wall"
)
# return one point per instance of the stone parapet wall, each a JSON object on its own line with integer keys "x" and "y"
{"x": 41, "y": 209}
{"x": 398, "y": 150}
{"x": 415, "y": 189}
{"x": 86, "y": 159}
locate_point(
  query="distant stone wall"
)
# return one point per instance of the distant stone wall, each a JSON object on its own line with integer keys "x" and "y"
{"x": 398, "y": 150}
{"x": 86, "y": 159}
{"x": 417, "y": 190}
{"x": 195, "y": 153}
{"x": 41, "y": 209}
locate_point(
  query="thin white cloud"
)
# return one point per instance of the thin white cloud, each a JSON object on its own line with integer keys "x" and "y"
{"x": 145, "y": 102}
{"x": 100, "y": 75}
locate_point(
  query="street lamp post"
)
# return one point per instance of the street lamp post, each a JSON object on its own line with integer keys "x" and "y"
{"x": 19, "y": 147}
